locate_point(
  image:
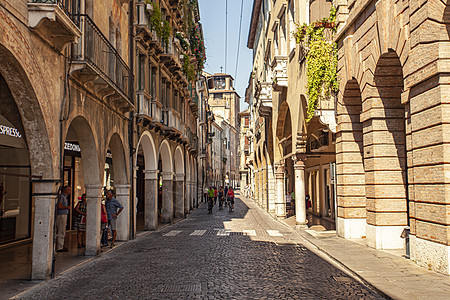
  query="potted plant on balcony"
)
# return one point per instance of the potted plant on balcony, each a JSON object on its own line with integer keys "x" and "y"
{"x": 321, "y": 58}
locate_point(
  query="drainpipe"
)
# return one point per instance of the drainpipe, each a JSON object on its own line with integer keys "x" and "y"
{"x": 132, "y": 115}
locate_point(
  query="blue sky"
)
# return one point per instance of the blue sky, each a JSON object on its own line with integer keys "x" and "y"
{"x": 212, "y": 17}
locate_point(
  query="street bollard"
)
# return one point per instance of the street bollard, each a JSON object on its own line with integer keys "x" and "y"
{"x": 405, "y": 235}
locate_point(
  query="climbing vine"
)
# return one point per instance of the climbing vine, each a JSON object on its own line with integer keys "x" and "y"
{"x": 166, "y": 31}
{"x": 321, "y": 57}
{"x": 188, "y": 68}
{"x": 155, "y": 19}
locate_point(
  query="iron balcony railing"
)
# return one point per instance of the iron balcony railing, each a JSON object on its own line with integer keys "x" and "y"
{"x": 96, "y": 50}
{"x": 70, "y": 7}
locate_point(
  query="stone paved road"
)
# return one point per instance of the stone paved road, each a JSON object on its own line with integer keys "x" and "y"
{"x": 244, "y": 254}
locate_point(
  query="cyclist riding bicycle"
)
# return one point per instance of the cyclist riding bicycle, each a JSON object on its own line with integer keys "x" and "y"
{"x": 210, "y": 199}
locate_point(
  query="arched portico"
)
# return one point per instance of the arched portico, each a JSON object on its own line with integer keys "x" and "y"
{"x": 166, "y": 165}
{"x": 20, "y": 107}
{"x": 179, "y": 184}
{"x": 147, "y": 182}
{"x": 81, "y": 132}
{"x": 283, "y": 150}
{"x": 121, "y": 186}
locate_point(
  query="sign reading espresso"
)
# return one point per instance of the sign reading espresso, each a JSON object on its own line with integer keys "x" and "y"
{"x": 10, "y": 131}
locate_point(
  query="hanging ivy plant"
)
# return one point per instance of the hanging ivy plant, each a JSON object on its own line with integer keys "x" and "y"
{"x": 321, "y": 57}
{"x": 188, "y": 68}
{"x": 166, "y": 31}
{"x": 155, "y": 19}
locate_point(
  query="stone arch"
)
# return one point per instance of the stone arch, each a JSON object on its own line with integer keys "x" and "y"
{"x": 89, "y": 150}
{"x": 115, "y": 144}
{"x": 179, "y": 161}
{"x": 284, "y": 128}
{"x": 166, "y": 156}
{"x": 92, "y": 179}
{"x": 179, "y": 185}
{"x": 385, "y": 155}
{"x": 148, "y": 145}
{"x": 147, "y": 207}
{"x": 351, "y": 221}
{"x": 32, "y": 116}
{"x": 121, "y": 184}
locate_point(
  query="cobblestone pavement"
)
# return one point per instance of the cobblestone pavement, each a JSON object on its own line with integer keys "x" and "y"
{"x": 243, "y": 254}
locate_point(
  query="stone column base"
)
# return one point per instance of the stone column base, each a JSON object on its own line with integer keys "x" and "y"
{"x": 351, "y": 228}
{"x": 430, "y": 255}
{"x": 384, "y": 237}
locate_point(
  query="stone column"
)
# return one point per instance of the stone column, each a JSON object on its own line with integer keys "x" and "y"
{"x": 93, "y": 214}
{"x": 167, "y": 197}
{"x": 179, "y": 196}
{"x": 192, "y": 194}
{"x": 280, "y": 201}
{"x": 264, "y": 187}
{"x": 151, "y": 199}
{"x": 257, "y": 194}
{"x": 44, "y": 194}
{"x": 123, "y": 220}
{"x": 300, "y": 205}
{"x": 272, "y": 190}
{"x": 186, "y": 199}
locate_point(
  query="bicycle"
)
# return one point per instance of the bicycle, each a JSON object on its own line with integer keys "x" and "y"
{"x": 230, "y": 202}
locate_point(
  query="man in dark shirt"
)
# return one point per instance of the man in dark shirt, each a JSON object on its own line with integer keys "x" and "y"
{"x": 113, "y": 209}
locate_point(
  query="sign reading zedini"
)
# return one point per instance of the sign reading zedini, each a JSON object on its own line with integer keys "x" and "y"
{"x": 10, "y": 131}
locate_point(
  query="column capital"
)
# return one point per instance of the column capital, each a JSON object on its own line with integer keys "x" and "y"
{"x": 167, "y": 175}
{"x": 122, "y": 189}
{"x": 299, "y": 160}
{"x": 93, "y": 186}
{"x": 151, "y": 174}
{"x": 279, "y": 167}
{"x": 179, "y": 177}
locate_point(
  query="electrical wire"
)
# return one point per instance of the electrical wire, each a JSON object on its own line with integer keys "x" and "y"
{"x": 226, "y": 34}
{"x": 239, "y": 41}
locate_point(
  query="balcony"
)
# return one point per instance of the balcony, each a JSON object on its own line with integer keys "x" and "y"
{"x": 193, "y": 141}
{"x": 55, "y": 18}
{"x": 265, "y": 100}
{"x": 99, "y": 67}
{"x": 171, "y": 119}
{"x": 279, "y": 69}
{"x": 149, "y": 109}
{"x": 170, "y": 56}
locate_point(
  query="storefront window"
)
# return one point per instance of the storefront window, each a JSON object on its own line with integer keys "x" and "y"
{"x": 15, "y": 184}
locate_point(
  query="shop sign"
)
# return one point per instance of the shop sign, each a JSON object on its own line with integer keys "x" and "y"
{"x": 10, "y": 131}
{"x": 72, "y": 147}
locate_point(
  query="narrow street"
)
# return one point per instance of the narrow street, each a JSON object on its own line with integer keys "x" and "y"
{"x": 243, "y": 254}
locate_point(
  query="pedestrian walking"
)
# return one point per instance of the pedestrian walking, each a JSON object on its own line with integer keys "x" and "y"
{"x": 230, "y": 195}
{"x": 104, "y": 225}
{"x": 215, "y": 195}
{"x": 62, "y": 211}
{"x": 80, "y": 221}
{"x": 221, "y": 197}
{"x": 113, "y": 209}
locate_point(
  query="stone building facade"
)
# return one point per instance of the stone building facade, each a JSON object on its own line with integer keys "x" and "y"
{"x": 292, "y": 157}
{"x": 392, "y": 113}
{"x": 72, "y": 113}
{"x": 167, "y": 107}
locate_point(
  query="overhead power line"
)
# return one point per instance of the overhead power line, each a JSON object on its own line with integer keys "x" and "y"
{"x": 226, "y": 34}
{"x": 239, "y": 40}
